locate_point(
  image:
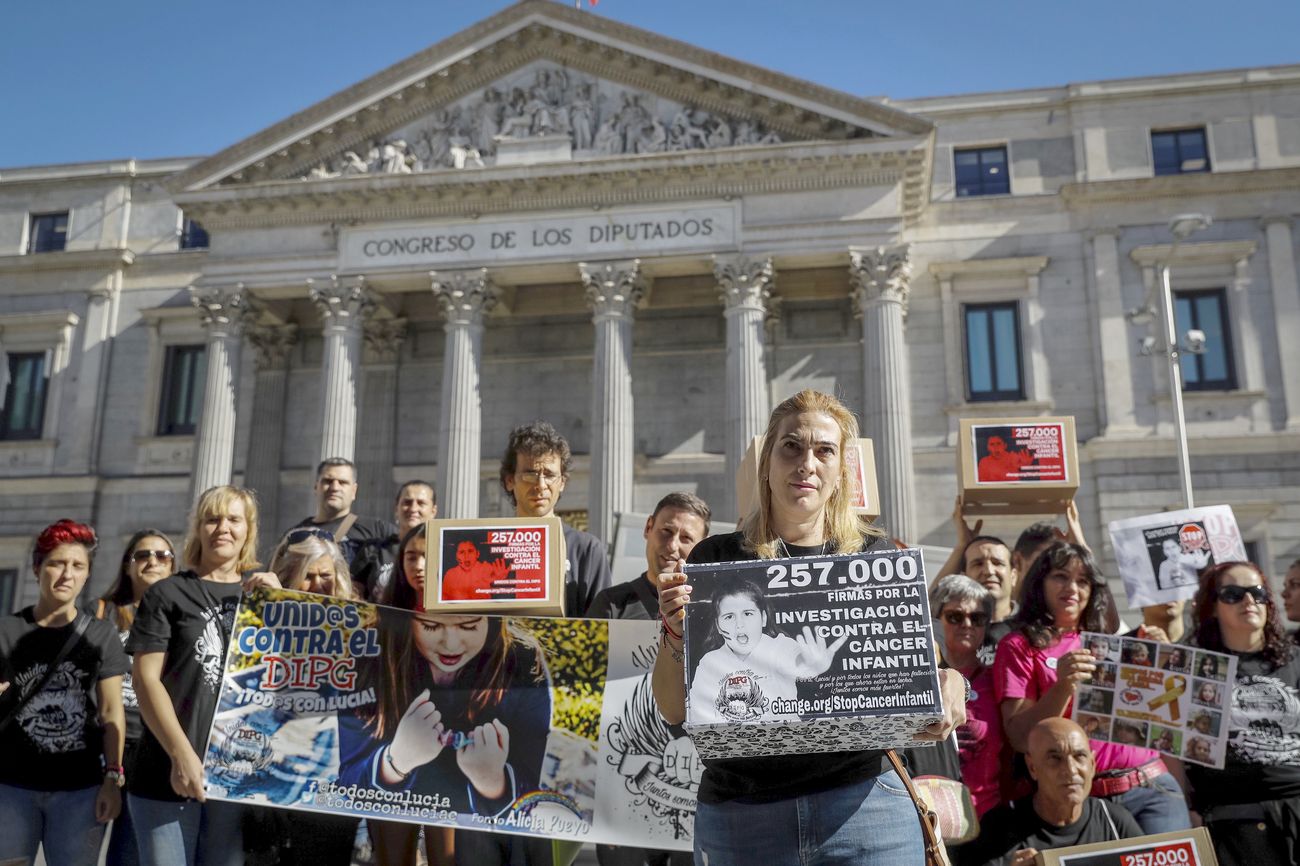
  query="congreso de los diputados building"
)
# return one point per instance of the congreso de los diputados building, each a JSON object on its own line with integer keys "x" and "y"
{"x": 553, "y": 215}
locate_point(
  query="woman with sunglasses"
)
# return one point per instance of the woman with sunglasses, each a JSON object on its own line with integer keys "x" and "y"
{"x": 1252, "y": 805}
{"x": 963, "y": 609}
{"x": 1042, "y": 665}
{"x": 147, "y": 559}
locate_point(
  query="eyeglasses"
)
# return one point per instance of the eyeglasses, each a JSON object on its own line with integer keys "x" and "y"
{"x": 550, "y": 479}
{"x": 146, "y": 555}
{"x": 978, "y": 620}
{"x": 295, "y": 536}
{"x": 1234, "y": 594}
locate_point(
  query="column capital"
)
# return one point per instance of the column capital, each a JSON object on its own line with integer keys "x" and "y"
{"x": 383, "y": 340}
{"x": 880, "y": 274}
{"x": 464, "y": 296}
{"x": 223, "y": 309}
{"x": 271, "y": 343}
{"x": 613, "y": 289}
{"x": 744, "y": 284}
{"x": 342, "y": 304}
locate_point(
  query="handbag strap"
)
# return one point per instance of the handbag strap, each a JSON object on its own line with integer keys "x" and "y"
{"x": 342, "y": 532}
{"x": 935, "y": 852}
{"x": 25, "y": 697}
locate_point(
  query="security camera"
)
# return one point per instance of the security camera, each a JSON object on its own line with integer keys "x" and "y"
{"x": 1147, "y": 345}
{"x": 1195, "y": 341}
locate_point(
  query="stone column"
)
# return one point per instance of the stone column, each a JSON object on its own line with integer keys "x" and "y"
{"x": 377, "y": 435}
{"x": 271, "y": 344}
{"x": 613, "y": 291}
{"x": 223, "y": 309}
{"x": 881, "y": 279}
{"x": 746, "y": 288}
{"x": 1286, "y": 311}
{"x": 465, "y": 297}
{"x": 343, "y": 308}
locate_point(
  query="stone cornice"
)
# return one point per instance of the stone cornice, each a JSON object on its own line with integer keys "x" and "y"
{"x": 1143, "y": 189}
{"x": 1020, "y": 266}
{"x": 525, "y": 32}
{"x": 66, "y": 260}
{"x": 600, "y": 183}
{"x": 1207, "y": 252}
{"x": 38, "y": 322}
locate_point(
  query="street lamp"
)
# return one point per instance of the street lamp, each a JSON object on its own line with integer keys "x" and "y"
{"x": 1181, "y": 227}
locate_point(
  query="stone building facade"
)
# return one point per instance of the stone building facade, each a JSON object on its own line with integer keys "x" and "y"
{"x": 552, "y": 215}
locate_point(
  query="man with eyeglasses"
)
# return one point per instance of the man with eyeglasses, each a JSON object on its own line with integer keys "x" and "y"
{"x": 363, "y": 540}
{"x": 534, "y": 470}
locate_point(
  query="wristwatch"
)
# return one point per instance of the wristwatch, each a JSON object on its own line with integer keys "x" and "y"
{"x": 116, "y": 775}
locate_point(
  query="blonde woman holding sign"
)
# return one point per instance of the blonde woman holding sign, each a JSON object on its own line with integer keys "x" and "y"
{"x": 837, "y": 807}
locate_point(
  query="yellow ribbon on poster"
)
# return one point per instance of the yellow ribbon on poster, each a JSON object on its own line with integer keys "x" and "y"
{"x": 1174, "y": 688}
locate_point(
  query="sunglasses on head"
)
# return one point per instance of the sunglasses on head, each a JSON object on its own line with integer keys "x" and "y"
{"x": 296, "y": 536}
{"x": 146, "y": 555}
{"x": 1234, "y": 594}
{"x": 978, "y": 620}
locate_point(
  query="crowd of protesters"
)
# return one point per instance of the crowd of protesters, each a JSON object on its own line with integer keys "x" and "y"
{"x": 106, "y": 704}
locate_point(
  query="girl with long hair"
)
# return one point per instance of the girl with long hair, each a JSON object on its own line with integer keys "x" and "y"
{"x": 148, "y": 558}
{"x": 1041, "y": 667}
{"x": 1252, "y": 805}
{"x": 463, "y": 711}
{"x": 836, "y": 807}
{"x": 60, "y": 712}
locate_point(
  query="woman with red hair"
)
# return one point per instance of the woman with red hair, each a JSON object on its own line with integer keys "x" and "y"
{"x": 61, "y": 719}
{"x": 1252, "y": 805}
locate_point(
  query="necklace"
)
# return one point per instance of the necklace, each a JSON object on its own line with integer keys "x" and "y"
{"x": 788, "y": 555}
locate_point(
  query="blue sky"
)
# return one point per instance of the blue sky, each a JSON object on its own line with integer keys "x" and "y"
{"x": 147, "y": 78}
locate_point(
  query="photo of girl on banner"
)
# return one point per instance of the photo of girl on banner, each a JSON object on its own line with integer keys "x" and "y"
{"x": 463, "y": 713}
{"x": 747, "y": 662}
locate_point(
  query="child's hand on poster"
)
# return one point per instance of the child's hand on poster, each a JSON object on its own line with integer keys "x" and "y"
{"x": 418, "y": 739}
{"x": 815, "y": 657}
{"x": 499, "y": 569}
{"x": 483, "y": 761}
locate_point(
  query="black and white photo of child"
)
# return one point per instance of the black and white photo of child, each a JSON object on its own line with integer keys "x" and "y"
{"x": 1178, "y": 553}
{"x": 748, "y": 663}
{"x": 1096, "y": 700}
{"x": 1206, "y": 693}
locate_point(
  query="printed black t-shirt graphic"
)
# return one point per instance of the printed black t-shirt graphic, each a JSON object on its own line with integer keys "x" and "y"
{"x": 178, "y": 616}
{"x": 56, "y": 742}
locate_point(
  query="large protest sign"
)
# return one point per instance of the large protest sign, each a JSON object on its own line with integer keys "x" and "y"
{"x": 809, "y": 654}
{"x": 1191, "y": 847}
{"x": 1017, "y": 465}
{"x": 504, "y": 565}
{"x": 542, "y": 726}
{"x": 1171, "y": 698}
{"x": 1161, "y": 556}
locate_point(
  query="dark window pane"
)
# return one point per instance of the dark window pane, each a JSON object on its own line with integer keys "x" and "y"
{"x": 993, "y": 366}
{"x": 182, "y": 392}
{"x": 981, "y": 171}
{"x": 24, "y": 408}
{"x": 1214, "y": 361}
{"x": 1206, "y": 311}
{"x": 193, "y": 236}
{"x": 1180, "y": 152}
{"x": 49, "y": 232}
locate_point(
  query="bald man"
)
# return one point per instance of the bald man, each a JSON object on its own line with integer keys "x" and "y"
{"x": 1060, "y": 813}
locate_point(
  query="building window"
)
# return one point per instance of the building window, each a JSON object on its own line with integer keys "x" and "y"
{"x": 182, "y": 390}
{"x": 1181, "y": 151}
{"x": 23, "y": 416}
{"x": 193, "y": 235}
{"x": 982, "y": 171}
{"x": 49, "y": 232}
{"x": 8, "y": 589}
{"x": 1205, "y": 311}
{"x": 994, "y": 369}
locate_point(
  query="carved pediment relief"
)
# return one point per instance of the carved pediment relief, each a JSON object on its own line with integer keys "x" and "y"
{"x": 579, "y": 115}
{"x": 552, "y": 76}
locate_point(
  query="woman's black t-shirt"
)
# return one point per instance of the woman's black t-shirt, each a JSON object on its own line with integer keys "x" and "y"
{"x": 56, "y": 743}
{"x": 190, "y": 620}
{"x": 777, "y": 777}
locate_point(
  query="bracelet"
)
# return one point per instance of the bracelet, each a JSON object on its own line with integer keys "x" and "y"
{"x": 392, "y": 765}
{"x": 667, "y": 627}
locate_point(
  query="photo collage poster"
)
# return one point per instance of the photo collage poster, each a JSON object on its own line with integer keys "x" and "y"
{"x": 1161, "y": 556}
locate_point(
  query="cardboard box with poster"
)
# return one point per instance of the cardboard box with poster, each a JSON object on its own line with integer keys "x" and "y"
{"x": 495, "y": 565}
{"x": 860, "y": 455}
{"x": 1017, "y": 465}
{"x": 1178, "y": 848}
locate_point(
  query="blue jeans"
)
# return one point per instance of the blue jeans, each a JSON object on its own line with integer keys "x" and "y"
{"x": 872, "y": 823}
{"x": 62, "y": 822}
{"x": 187, "y": 832}
{"x": 122, "y": 849}
{"x": 1158, "y": 805}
